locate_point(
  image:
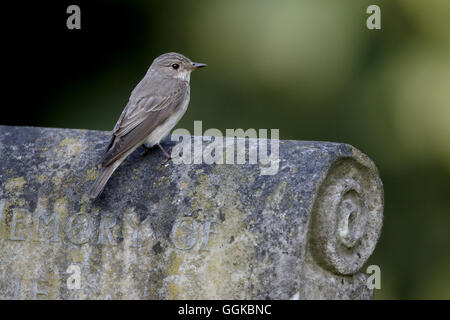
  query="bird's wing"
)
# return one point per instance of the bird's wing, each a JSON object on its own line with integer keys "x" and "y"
{"x": 140, "y": 118}
{"x": 134, "y": 114}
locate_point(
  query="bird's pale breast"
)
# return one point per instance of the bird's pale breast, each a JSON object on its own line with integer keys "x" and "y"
{"x": 165, "y": 128}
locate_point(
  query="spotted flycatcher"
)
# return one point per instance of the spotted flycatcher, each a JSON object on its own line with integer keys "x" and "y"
{"x": 156, "y": 105}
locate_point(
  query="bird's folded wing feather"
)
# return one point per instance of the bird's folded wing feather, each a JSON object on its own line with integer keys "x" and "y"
{"x": 140, "y": 118}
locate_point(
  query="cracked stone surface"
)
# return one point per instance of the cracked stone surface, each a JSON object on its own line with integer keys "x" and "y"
{"x": 183, "y": 231}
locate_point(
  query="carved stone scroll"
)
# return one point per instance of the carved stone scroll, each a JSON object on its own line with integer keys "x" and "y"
{"x": 184, "y": 231}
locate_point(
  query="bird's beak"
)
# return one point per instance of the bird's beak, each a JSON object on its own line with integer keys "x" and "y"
{"x": 196, "y": 65}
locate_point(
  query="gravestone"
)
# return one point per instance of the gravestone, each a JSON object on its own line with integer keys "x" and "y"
{"x": 183, "y": 231}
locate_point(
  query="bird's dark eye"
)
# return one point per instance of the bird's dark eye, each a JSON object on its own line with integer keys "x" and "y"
{"x": 175, "y": 66}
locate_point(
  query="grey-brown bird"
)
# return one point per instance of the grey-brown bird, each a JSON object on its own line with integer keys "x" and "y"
{"x": 156, "y": 105}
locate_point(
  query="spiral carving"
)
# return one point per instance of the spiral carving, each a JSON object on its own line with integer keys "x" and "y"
{"x": 347, "y": 216}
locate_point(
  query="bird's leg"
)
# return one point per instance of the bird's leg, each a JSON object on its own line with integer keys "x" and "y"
{"x": 165, "y": 153}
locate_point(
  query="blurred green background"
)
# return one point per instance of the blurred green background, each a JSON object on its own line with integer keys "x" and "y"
{"x": 310, "y": 68}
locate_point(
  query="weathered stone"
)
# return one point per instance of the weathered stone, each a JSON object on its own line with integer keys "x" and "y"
{"x": 168, "y": 231}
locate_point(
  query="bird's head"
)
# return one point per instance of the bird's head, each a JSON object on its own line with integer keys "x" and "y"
{"x": 175, "y": 65}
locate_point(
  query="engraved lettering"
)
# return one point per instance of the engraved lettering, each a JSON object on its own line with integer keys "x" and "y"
{"x": 35, "y": 290}
{"x": 136, "y": 228}
{"x": 74, "y": 232}
{"x": 17, "y": 220}
{"x": 47, "y": 220}
{"x": 206, "y": 232}
{"x": 104, "y": 227}
{"x": 184, "y": 233}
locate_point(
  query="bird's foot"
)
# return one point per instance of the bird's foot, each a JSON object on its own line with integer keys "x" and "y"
{"x": 168, "y": 157}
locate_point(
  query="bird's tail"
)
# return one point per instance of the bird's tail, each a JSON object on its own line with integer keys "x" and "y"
{"x": 102, "y": 179}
